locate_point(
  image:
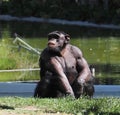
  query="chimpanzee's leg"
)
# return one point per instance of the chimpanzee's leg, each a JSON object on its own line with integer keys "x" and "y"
{"x": 48, "y": 87}
{"x": 42, "y": 88}
{"x": 78, "y": 89}
{"x": 86, "y": 89}
{"x": 89, "y": 89}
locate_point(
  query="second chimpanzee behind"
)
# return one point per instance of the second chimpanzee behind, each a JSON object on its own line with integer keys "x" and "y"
{"x": 64, "y": 70}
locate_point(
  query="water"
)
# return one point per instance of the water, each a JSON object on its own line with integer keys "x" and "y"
{"x": 100, "y": 46}
{"x": 27, "y": 89}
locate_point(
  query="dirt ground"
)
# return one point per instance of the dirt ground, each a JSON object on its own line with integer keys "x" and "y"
{"x": 4, "y": 112}
{"x": 27, "y": 111}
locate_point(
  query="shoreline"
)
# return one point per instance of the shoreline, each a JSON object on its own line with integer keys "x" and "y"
{"x": 58, "y": 21}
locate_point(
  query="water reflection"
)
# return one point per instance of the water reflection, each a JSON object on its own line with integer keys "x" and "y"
{"x": 101, "y": 50}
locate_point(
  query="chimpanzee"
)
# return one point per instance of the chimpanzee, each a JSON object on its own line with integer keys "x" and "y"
{"x": 64, "y": 71}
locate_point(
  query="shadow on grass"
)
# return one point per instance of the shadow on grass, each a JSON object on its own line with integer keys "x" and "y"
{"x": 6, "y": 107}
{"x": 96, "y": 110}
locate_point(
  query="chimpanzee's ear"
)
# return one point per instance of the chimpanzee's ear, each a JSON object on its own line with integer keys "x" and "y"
{"x": 67, "y": 37}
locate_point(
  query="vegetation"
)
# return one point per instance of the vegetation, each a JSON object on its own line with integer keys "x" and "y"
{"x": 82, "y": 106}
{"x": 11, "y": 58}
{"x": 100, "y": 12}
{"x": 100, "y": 53}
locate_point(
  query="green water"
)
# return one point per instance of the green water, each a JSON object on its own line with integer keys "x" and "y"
{"x": 100, "y": 47}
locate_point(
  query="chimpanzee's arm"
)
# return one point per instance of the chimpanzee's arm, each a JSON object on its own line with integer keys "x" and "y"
{"x": 63, "y": 81}
{"x": 82, "y": 66}
{"x": 42, "y": 67}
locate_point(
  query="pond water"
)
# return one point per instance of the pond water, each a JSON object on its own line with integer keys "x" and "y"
{"x": 26, "y": 89}
{"x": 101, "y": 47}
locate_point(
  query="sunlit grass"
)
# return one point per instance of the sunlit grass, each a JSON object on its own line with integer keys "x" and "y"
{"x": 82, "y": 106}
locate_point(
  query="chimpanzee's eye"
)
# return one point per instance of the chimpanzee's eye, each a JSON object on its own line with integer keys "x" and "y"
{"x": 53, "y": 37}
{"x": 57, "y": 40}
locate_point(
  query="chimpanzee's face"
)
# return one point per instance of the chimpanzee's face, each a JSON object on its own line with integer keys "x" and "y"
{"x": 56, "y": 42}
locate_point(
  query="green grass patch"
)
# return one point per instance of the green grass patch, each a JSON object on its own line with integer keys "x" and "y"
{"x": 7, "y": 63}
{"x": 11, "y": 58}
{"x": 82, "y": 106}
{"x": 19, "y": 76}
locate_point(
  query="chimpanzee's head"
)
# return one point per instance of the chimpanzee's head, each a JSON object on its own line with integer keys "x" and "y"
{"x": 57, "y": 40}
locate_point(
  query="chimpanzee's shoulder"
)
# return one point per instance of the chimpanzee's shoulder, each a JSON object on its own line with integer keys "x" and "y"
{"x": 44, "y": 53}
{"x": 75, "y": 48}
{"x": 76, "y": 51}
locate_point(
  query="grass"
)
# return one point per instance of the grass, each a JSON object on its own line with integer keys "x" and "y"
{"x": 19, "y": 76}
{"x": 82, "y": 106}
{"x": 11, "y": 58}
